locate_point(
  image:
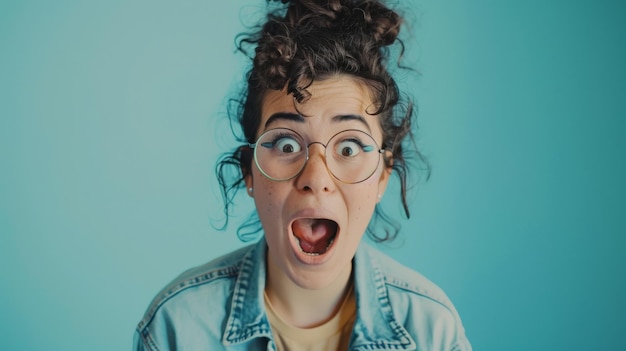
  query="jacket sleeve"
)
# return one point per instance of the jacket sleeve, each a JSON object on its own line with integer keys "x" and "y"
{"x": 138, "y": 344}
{"x": 462, "y": 345}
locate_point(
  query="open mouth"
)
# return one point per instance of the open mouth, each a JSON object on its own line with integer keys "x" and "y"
{"x": 314, "y": 235}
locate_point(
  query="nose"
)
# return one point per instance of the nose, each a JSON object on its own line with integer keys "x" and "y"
{"x": 315, "y": 176}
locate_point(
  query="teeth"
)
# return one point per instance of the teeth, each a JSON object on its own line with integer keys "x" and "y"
{"x": 304, "y": 252}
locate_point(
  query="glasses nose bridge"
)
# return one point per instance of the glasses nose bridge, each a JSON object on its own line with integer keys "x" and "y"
{"x": 322, "y": 153}
{"x": 308, "y": 147}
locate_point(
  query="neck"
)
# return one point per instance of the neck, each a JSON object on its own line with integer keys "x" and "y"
{"x": 302, "y": 307}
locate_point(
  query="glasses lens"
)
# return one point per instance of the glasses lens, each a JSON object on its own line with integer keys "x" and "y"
{"x": 352, "y": 156}
{"x": 280, "y": 154}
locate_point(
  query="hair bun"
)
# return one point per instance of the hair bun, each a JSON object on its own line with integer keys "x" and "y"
{"x": 368, "y": 17}
{"x": 307, "y": 39}
{"x": 382, "y": 23}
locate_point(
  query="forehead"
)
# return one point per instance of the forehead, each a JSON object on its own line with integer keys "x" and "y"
{"x": 337, "y": 96}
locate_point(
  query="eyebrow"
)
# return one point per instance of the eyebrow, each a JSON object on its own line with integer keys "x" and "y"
{"x": 284, "y": 116}
{"x": 341, "y": 118}
{"x": 294, "y": 117}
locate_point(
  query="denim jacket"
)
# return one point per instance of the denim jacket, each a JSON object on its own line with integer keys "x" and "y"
{"x": 219, "y": 306}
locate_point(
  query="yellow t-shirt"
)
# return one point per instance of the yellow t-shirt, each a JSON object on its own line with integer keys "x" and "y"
{"x": 332, "y": 335}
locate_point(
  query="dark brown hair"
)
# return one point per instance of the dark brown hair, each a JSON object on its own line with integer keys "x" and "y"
{"x": 307, "y": 41}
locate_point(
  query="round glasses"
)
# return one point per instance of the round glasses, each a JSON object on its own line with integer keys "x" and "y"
{"x": 352, "y": 156}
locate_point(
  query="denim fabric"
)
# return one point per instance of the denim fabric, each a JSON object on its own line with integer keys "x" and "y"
{"x": 219, "y": 306}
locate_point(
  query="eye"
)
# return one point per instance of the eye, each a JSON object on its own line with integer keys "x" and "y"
{"x": 349, "y": 148}
{"x": 287, "y": 145}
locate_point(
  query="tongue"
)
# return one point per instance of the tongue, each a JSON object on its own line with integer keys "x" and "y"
{"x": 314, "y": 235}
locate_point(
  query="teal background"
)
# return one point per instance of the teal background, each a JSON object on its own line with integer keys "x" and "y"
{"x": 108, "y": 138}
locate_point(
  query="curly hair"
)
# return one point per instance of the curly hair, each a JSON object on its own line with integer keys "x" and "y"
{"x": 307, "y": 41}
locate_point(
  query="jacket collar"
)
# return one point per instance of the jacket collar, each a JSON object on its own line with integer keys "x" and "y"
{"x": 375, "y": 328}
{"x": 247, "y": 318}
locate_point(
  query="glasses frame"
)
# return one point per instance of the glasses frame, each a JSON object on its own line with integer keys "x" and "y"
{"x": 307, "y": 155}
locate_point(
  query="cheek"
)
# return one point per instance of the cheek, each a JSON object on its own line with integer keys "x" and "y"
{"x": 268, "y": 198}
{"x": 264, "y": 199}
{"x": 361, "y": 201}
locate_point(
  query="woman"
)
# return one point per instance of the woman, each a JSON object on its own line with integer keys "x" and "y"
{"x": 324, "y": 133}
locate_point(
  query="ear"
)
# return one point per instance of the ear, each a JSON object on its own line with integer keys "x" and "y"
{"x": 249, "y": 184}
{"x": 383, "y": 181}
{"x": 245, "y": 164}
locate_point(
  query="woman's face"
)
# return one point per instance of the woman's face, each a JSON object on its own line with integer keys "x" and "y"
{"x": 313, "y": 222}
